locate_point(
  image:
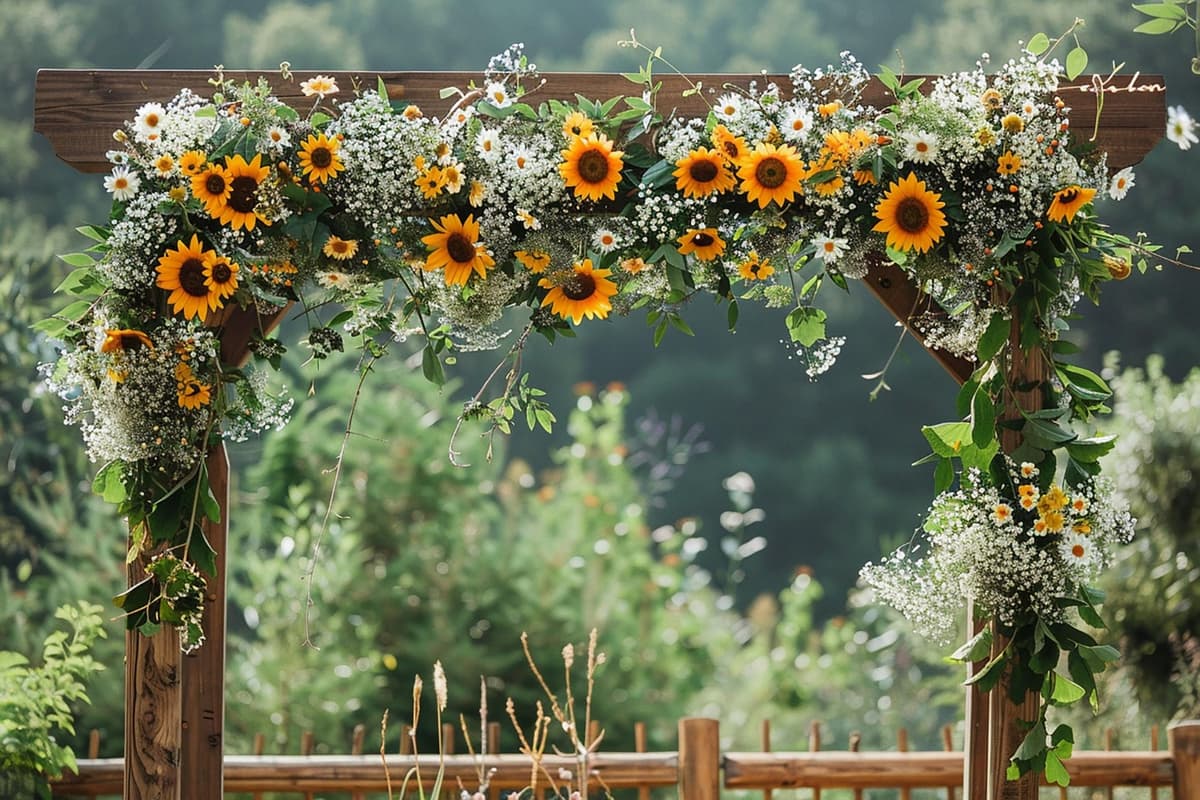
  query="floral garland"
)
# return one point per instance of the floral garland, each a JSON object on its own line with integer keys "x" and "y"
{"x": 434, "y": 227}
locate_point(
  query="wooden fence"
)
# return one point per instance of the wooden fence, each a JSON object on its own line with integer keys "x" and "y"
{"x": 698, "y": 769}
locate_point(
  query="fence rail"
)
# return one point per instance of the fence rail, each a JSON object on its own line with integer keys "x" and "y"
{"x": 699, "y": 768}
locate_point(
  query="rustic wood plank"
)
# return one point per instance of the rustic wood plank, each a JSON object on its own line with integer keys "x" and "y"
{"x": 152, "y": 711}
{"x": 699, "y": 759}
{"x": 1183, "y": 741}
{"x": 78, "y": 109}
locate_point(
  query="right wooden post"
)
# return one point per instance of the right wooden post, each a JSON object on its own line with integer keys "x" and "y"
{"x": 699, "y": 759}
{"x": 1183, "y": 740}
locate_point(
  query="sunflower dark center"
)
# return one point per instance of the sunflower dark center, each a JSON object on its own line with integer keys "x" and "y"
{"x": 593, "y": 166}
{"x": 214, "y": 184}
{"x": 460, "y": 248}
{"x": 579, "y": 287}
{"x": 221, "y": 273}
{"x": 754, "y": 268}
{"x": 703, "y": 240}
{"x": 911, "y": 215}
{"x": 320, "y": 157}
{"x": 1067, "y": 196}
{"x": 191, "y": 277}
{"x": 771, "y": 172}
{"x": 244, "y": 196}
{"x": 703, "y": 171}
{"x": 731, "y": 149}
{"x": 130, "y": 342}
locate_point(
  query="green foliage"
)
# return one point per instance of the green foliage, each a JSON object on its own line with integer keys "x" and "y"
{"x": 35, "y": 702}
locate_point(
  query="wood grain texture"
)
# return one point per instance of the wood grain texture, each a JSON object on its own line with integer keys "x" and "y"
{"x": 78, "y": 110}
{"x": 699, "y": 759}
{"x": 1183, "y": 741}
{"x": 152, "y": 712}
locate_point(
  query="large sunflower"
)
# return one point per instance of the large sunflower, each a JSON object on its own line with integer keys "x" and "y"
{"x": 241, "y": 209}
{"x": 772, "y": 173}
{"x": 591, "y": 168}
{"x": 456, "y": 247}
{"x": 910, "y": 215}
{"x": 319, "y": 159}
{"x": 1067, "y": 202}
{"x": 221, "y": 278}
{"x": 582, "y": 292}
{"x": 182, "y": 272}
{"x": 704, "y": 243}
{"x": 702, "y": 172}
{"x": 211, "y": 186}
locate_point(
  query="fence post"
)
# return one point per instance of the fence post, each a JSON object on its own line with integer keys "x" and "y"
{"x": 1183, "y": 740}
{"x": 699, "y": 759}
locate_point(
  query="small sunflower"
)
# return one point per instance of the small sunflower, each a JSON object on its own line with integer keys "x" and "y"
{"x": 456, "y": 247}
{"x": 1008, "y": 163}
{"x": 535, "y": 261}
{"x": 634, "y": 265}
{"x": 182, "y": 273}
{"x": 431, "y": 182}
{"x": 702, "y": 172}
{"x": 577, "y": 125}
{"x": 122, "y": 339}
{"x": 191, "y": 393}
{"x": 212, "y": 187}
{"x": 1013, "y": 123}
{"x": 910, "y": 215}
{"x": 991, "y": 99}
{"x": 192, "y": 162}
{"x": 732, "y": 148}
{"x": 340, "y": 249}
{"x": 241, "y": 209}
{"x": 582, "y": 292}
{"x": 220, "y": 276}
{"x": 591, "y": 168}
{"x": 704, "y": 243}
{"x": 1067, "y": 202}
{"x": 476, "y": 194}
{"x": 755, "y": 268}
{"x": 829, "y": 109}
{"x": 164, "y": 165}
{"x": 319, "y": 159}
{"x": 772, "y": 174}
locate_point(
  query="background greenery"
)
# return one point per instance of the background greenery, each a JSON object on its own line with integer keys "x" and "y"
{"x": 424, "y": 561}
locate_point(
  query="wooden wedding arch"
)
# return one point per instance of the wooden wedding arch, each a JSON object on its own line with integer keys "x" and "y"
{"x": 174, "y": 704}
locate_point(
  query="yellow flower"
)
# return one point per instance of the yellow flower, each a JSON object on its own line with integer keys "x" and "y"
{"x": 582, "y": 292}
{"x": 1008, "y": 163}
{"x": 241, "y": 206}
{"x": 456, "y": 247}
{"x": 829, "y": 109}
{"x": 476, "y": 194}
{"x": 754, "y": 268}
{"x": 535, "y": 261}
{"x": 577, "y": 125}
{"x": 192, "y": 394}
{"x": 1002, "y": 512}
{"x": 340, "y": 249}
{"x": 732, "y": 148}
{"x": 702, "y": 172}
{"x": 319, "y": 85}
{"x": 1053, "y": 521}
{"x": 992, "y": 99}
{"x": 1052, "y": 500}
{"x": 211, "y": 186}
{"x": 986, "y": 137}
{"x": 771, "y": 174}
{"x": 1012, "y": 123}
{"x": 182, "y": 272}
{"x": 1067, "y": 202}
{"x": 220, "y": 277}
{"x": 910, "y": 215}
{"x": 634, "y": 265}
{"x": 1118, "y": 268}
{"x": 704, "y": 243}
{"x": 591, "y": 168}
{"x": 431, "y": 182}
{"x": 192, "y": 163}
{"x": 319, "y": 159}
{"x": 121, "y": 339}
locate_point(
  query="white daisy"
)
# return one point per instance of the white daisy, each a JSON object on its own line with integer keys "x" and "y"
{"x": 334, "y": 279}
{"x": 1121, "y": 184}
{"x": 455, "y": 177}
{"x": 1077, "y": 549}
{"x": 1029, "y": 110}
{"x": 319, "y": 85}
{"x": 487, "y": 144}
{"x": 277, "y": 138}
{"x": 149, "y": 119}
{"x": 921, "y": 147}
{"x": 797, "y": 123}
{"x": 1181, "y": 128}
{"x": 830, "y": 248}
{"x": 604, "y": 240}
{"x": 117, "y": 157}
{"x": 123, "y": 184}
{"x": 728, "y": 107}
{"x": 522, "y": 157}
{"x": 497, "y": 95}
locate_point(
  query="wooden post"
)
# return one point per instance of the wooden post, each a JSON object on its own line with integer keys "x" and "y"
{"x": 699, "y": 759}
{"x": 639, "y": 745}
{"x": 152, "y": 711}
{"x": 1183, "y": 740}
{"x": 814, "y": 746}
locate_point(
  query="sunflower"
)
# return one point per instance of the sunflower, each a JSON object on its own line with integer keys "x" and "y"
{"x": 577, "y": 125}
{"x": 535, "y": 261}
{"x": 702, "y": 172}
{"x": 431, "y": 181}
{"x": 241, "y": 208}
{"x": 122, "y": 339}
{"x": 1068, "y": 201}
{"x": 456, "y": 247}
{"x": 164, "y": 165}
{"x": 582, "y": 292}
{"x": 319, "y": 159}
{"x": 732, "y": 148}
{"x": 634, "y": 265}
{"x": 183, "y": 273}
{"x": 591, "y": 167}
{"x": 220, "y": 276}
{"x": 772, "y": 173}
{"x": 211, "y": 186}
{"x": 910, "y": 215}
{"x": 1008, "y": 163}
{"x": 704, "y": 243}
{"x": 340, "y": 249}
{"x": 190, "y": 391}
{"x": 755, "y": 268}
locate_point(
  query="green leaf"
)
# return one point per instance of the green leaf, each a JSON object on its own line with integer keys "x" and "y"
{"x": 1091, "y": 450}
{"x": 93, "y": 233}
{"x": 989, "y": 677}
{"x": 806, "y": 325}
{"x": 976, "y": 648}
{"x": 1038, "y": 44}
{"x": 731, "y": 315}
{"x": 1156, "y": 26}
{"x": 9, "y": 660}
{"x": 993, "y": 338}
{"x": 1034, "y": 743}
{"x": 678, "y": 323}
{"x": 431, "y": 366}
{"x": 108, "y": 483}
{"x": 1077, "y": 61}
{"x": 983, "y": 419}
{"x": 1162, "y": 10}
{"x": 381, "y": 87}
{"x": 202, "y": 553}
{"x": 943, "y": 475}
{"x": 1056, "y": 773}
{"x": 1062, "y": 691}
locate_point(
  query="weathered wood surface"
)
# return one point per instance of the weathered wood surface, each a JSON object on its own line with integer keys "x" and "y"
{"x": 699, "y": 759}
{"x": 78, "y": 109}
{"x": 152, "y": 712}
{"x": 777, "y": 770}
{"x": 1183, "y": 740}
